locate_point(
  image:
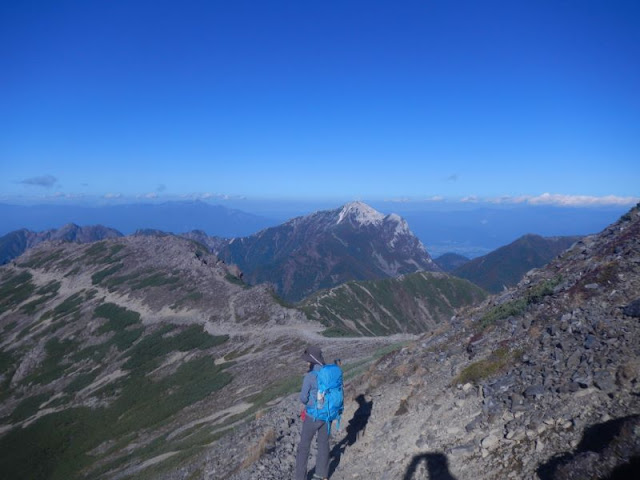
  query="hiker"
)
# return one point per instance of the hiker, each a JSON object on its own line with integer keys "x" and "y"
{"x": 311, "y": 426}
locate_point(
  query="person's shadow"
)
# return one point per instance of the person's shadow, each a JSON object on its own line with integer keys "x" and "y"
{"x": 607, "y": 439}
{"x": 437, "y": 466}
{"x": 357, "y": 426}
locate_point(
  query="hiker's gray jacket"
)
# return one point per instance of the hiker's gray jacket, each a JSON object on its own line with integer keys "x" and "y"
{"x": 309, "y": 388}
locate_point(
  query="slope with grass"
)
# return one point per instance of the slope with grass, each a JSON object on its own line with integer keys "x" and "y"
{"x": 412, "y": 303}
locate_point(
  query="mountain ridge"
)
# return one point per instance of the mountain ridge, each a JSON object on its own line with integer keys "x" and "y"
{"x": 505, "y": 266}
{"x": 15, "y": 243}
{"x": 171, "y": 216}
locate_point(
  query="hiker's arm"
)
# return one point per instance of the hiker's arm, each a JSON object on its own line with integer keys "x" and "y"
{"x": 306, "y": 388}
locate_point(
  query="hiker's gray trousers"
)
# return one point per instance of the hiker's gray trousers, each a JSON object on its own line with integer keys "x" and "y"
{"x": 309, "y": 428}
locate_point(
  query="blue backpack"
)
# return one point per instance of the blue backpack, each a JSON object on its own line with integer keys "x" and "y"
{"x": 329, "y": 402}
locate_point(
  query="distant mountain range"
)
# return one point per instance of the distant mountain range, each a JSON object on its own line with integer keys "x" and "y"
{"x": 15, "y": 243}
{"x": 506, "y": 266}
{"x": 175, "y": 217}
{"x": 471, "y": 230}
{"x": 328, "y": 248}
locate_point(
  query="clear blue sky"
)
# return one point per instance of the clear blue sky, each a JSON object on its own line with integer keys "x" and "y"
{"x": 320, "y": 99}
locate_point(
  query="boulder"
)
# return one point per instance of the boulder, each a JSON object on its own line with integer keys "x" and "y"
{"x": 633, "y": 309}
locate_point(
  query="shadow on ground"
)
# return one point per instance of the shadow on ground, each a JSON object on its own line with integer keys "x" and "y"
{"x": 436, "y": 464}
{"x": 355, "y": 429}
{"x": 607, "y": 451}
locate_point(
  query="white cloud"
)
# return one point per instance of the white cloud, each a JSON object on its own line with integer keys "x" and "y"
{"x": 433, "y": 198}
{"x": 507, "y": 199}
{"x": 581, "y": 200}
{"x": 216, "y": 196}
{"x": 470, "y": 199}
{"x": 112, "y": 195}
{"x": 63, "y": 195}
{"x": 150, "y": 195}
{"x": 566, "y": 200}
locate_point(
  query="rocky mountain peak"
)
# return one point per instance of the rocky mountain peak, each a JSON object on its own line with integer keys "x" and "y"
{"x": 360, "y": 213}
{"x": 327, "y": 248}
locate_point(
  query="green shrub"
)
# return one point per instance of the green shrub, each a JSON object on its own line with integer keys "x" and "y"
{"x": 504, "y": 310}
{"x": 485, "y": 368}
{"x": 235, "y": 280}
{"x": 29, "y": 407}
{"x": 51, "y": 287}
{"x": 96, "y": 250}
{"x": 41, "y": 259}
{"x": 113, "y": 282}
{"x": 335, "y": 332}
{"x": 191, "y": 297}
{"x": 94, "y": 352}
{"x": 10, "y": 326}
{"x": 72, "y": 272}
{"x": 55, "y": 446}
{"x": 6, "y": 361}
{"x": 81, "y": 381}
{"x": 118, "y": 318}
{"x": 145, "y": 355}
{"x": 277, "y": 389}
{"x": 52, "y": 367}
{"x": 99, "y": 254}
{"x": 33, "y": 306}
{"x": 518, "y": 306}
{"x": 70, "y": 305}
{"x": 15, "y": 290}
{"x": 98, "y": 277}
{"x": 124, "y": 339}
{"x": 155, "y": 280}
